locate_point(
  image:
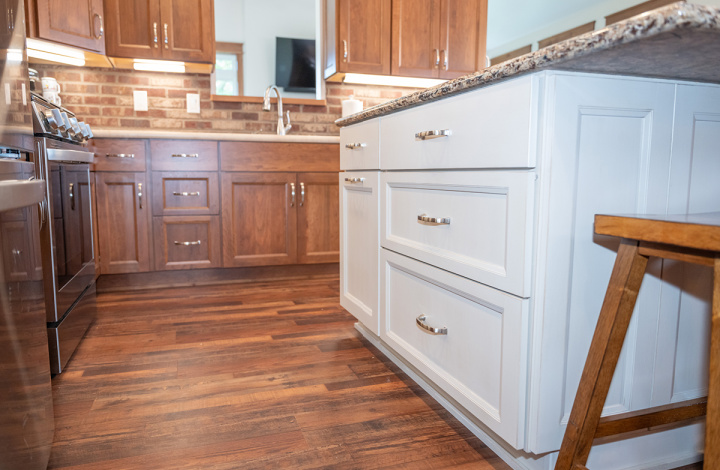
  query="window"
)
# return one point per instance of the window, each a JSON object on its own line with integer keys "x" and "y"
{"x": 228, "y": 75}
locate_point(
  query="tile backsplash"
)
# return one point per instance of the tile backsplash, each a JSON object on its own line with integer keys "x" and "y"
{"x": 104, "y": 99}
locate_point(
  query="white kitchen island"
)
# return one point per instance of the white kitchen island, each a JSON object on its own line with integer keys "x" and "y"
{"x": 487, "y": 231}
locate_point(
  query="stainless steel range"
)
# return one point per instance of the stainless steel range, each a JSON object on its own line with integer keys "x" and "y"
{"x": 67, "y": 238}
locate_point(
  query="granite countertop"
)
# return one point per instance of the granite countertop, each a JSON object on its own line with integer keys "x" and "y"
{"x": 221, "y": 136}
{"x": 679, "y": 41}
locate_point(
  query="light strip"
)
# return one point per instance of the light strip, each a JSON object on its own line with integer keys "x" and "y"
{"x": 15, "y": 55}
{"x": 52, "y": 48}
{"x": 159, "y": 65}
{"x": 62, "y": 59}
{"x": 363, "y": 79}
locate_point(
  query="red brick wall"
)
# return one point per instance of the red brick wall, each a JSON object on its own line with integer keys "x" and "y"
{"x": 104, "y": 99}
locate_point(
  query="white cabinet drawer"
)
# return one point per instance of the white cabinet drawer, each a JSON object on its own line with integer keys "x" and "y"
{"x": 493, "y": 127}
{"x": 360, "y": 146}
{"x": 489, "y": 234}
{"x": 481, "y": 361}
{"x": 359, "y": 246}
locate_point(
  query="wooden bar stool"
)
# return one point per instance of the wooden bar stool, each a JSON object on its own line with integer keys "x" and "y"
{"x": 692, "y": 238}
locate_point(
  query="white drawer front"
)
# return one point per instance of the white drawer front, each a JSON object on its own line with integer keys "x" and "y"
{"x": 359, "y": 245}
{"x": 359, "y": 146}
{"x": 492, "y": 127}
{"x": 488, "y": 238}
{"x": 481, "y": 361}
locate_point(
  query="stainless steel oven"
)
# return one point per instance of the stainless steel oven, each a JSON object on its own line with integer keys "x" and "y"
{"x": 67, "y": 238}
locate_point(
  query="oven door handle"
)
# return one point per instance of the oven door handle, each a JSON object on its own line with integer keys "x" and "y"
{"x": 70, "y": 156}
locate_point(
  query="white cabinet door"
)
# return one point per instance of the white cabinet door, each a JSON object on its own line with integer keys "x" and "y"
{"x": 360, "y": 146}
{"x": 607, "y": 150}
{"x": 359, "y": 245}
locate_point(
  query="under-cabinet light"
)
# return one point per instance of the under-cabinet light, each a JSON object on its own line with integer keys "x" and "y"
{"x": 363, "y": 79}
{"x": 55, "y": 53}
{"x": 159, "y": 65}
{"x": 15, "y": 55}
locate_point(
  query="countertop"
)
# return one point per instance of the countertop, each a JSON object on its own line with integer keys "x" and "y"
{"x": 679, "y": 41}
{"x": 221, "y": 136}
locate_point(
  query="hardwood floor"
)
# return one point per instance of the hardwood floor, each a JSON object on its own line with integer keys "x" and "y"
{"x": 245, "y": 376}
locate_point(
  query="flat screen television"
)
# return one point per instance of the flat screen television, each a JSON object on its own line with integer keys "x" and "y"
{"x": 295, "y": 64}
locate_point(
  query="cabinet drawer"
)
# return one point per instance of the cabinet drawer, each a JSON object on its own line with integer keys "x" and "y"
{"x": 119, "y": 154}
{"x": 492, "y": 127}
{"x": 190, "y": 193}
{"x": 186, "y": 242}
{"x": 488, "y": 234}
{"x": 359, "y": 146}
{"x": 184, "y": 155}
{"x": 481, "y": 360}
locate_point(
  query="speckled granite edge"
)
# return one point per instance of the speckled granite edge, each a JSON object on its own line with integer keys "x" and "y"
{"x": 649, "y": 24}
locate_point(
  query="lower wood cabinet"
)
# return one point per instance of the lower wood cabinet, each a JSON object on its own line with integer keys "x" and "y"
{"x": 318, "y": 218}
{"x": 123, "y": 222}
{"x": 187, "y": 242}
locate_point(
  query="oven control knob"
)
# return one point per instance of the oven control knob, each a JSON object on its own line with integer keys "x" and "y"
{"x": 66, "y": 119}
{"x": 90, "y": 134}
{"x": 84, "y": 130}
{"x": 55, "y": 119}
{"x": 75, "y": 128}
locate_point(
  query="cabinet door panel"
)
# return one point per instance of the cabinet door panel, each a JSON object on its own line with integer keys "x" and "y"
{"x": 258, "y": 219}
{"x": 415, "y": 33}
{"x": 72, "y": 22}
{"x": 189, "y": 242}
{"x": 364, "y": 36}
{"x": 123, "y": 223}
{"x": 463, "y": 25}
{"x": 133, "y": 28}
{"x": 188, "y": 31}
{"x": 318, "y": 218}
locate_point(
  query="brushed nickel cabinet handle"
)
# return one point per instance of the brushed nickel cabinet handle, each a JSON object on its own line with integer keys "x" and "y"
{"x": 355, "y": 146}
{"x": 354, "y": 180}
{"x": 437, "y": 57}
{"x": 445, "y": 59}
{"x": 119, "y": 155}
{"x": 155, "y": 35}
{"x": 198, "y": 242}
{"x": 72, "y": 196}
{"x": 420, "y": 321}
{"x": 292, "y": 194}
{"x": 345, "y": 50}
{"x": 196, "y": 193}
{"x": 433, "y": 220}
{"x": 185, "y": 155}
{"x": 428, "y": 135}
{"x": 166, "y": 37}
{"x": 140, "y": 194}
{"x": 302, "y": 194}
{"x": 102, "y": 26}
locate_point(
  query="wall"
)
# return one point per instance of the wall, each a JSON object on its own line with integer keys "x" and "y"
{"x": 103, "y": 98}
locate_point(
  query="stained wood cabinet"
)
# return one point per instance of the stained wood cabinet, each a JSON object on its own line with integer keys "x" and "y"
{"x": 161, "y": 29}
{"x": 318, "y": 219}
{"x": 78, "y": 23}
{"x": 363, "y": 35}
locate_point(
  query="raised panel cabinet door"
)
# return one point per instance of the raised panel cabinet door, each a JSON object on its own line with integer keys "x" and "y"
{"x": 318, "y": 230}
{"x": 188, "y": 30}
{"x": 415, "y": 34}
{"x": 463, "y": 29}
{"x": 73, "y": 22}
{"x": 123, "y": 222}
{"x": 187, "y": 242}
{"x": 364, "y": 36}
{"x": 133, "y": 28}
{"x": 259, "y": 219}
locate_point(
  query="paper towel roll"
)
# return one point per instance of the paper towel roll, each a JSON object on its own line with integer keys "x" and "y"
{"x": 351, "y": 106}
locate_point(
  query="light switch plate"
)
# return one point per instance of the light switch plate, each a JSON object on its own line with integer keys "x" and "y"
{"x": 140, "y": 101}
{"x": 193, "y": 103}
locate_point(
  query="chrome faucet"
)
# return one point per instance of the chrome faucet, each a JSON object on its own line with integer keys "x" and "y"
{"x": 281, "y": 127}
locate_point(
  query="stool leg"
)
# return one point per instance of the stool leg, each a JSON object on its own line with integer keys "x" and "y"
{"x": 603, "y": 355}
{"x": 712, "y": 425}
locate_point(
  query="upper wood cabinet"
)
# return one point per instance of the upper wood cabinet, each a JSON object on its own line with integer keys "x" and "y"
{"x": 438, "y": 38}
{"x": 363, "y": 32}
{"x": 161, "y": 29}
{"x": 78, "y": 23}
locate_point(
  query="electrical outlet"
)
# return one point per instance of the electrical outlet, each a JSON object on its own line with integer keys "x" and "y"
{"x": 193, "y": 103}
{"x": 140, "y": 101}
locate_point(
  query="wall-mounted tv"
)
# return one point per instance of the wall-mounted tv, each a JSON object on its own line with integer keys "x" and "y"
{"x": 295, "y": 64}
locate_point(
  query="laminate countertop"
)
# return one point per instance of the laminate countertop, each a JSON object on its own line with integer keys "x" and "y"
{"x": 679, "y": 41}
{"x": 220, "y": 136}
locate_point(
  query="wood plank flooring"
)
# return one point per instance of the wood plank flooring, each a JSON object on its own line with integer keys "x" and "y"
{"x": 266, "y": 375}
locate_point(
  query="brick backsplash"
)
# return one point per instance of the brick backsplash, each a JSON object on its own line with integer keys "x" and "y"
{"x": 104, "y": 99}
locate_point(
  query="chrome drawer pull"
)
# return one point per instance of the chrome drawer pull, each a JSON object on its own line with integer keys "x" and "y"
{"x": 420, "y": 321}
{"x": 196, "y": 193}
{"x": 292, "y": 194}
{"x": 188, "y": 243}
{"x": 355, "y": 146}
{"x": 434, "y": 220}
{"x": 428, "y": 135}
{"x": 185, "y": 155}
{"x": 354, "y": 180}
{"x": 119, "y": 155}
